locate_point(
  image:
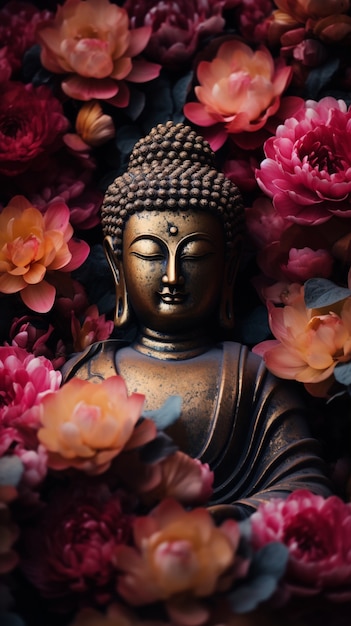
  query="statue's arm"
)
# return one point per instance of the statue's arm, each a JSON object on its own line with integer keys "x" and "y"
{"x": 272, "y": 451}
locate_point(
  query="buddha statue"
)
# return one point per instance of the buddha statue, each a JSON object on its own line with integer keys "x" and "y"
{"x": 173, "y": 229}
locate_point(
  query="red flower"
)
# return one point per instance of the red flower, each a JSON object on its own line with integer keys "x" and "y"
{"x": 177, "y": 27}
{"x": 25, "y": 334}
{"x": 18, "y": 22}
{"x": 70, "y": 550}
{"x": 31, "y": 125}
{"x": 307, "y": 171}
{"x": 317, "y": 532}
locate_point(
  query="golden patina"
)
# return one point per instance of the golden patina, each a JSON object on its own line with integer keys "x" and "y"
{"x": 173, "y": 227}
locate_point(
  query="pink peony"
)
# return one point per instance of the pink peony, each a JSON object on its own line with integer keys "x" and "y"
{"x": 24, "y": 381}
{"x": 34, "y": 246}
{"x": 239, "y": 91}
{"x": 307, "y": 170}
{"x": 90, "y": 43}
{"x": 31, "y": 126}
{"x": 70, "y": 551}
{"x": 177, "y": 27}
{"x": 317, "y": 532}
{"x": 18, "y": 23}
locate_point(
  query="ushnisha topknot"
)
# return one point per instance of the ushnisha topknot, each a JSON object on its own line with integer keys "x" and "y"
{"x": 172, "y": 168}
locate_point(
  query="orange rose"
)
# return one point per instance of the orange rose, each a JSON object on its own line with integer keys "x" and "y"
{"x": 85, "y": 425}
{"x": 90, "y": 42}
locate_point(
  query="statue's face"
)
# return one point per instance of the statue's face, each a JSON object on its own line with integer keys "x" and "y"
{"x": 173, "y": 266}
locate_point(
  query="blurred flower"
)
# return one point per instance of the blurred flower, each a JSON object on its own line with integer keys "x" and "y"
{"x": 67, "y": 176}
{"x": 252, "y": 17}
{"x": 176, "y": 26}
{"x": 240, "y": 89}
{"x": 24, "y": 381}
{"x": 31, "y": 126}
{"x": 90, "y": 42}
{"x": 94, "y": 328}
{"x": 309, "y": 343}
{"x": 241, "y": 171}
{"x": 116, "y": 615}
{"x": 263, "y": 222}
{"x": 316, "y": 531}
{"x": 302, "y": 10}
{"x": 31, "y": 246}
{"x": 10, "y": 472}
{"x": 33, "y": 335}
{"x": 18, "y": 22}
{"x": 177, "y": 476}
{"x": 179, "y": 556}
{"x": 187, "y": 480}
{"x": 69, "y": 551}
{"x": 9, "y": 533}
{"x": 93, "y": 128}
{"x": 85, "y": 425}
{"x": 307, "y": 171}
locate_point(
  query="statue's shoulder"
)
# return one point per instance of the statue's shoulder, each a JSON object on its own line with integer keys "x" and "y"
{"x": 95, "y": 363}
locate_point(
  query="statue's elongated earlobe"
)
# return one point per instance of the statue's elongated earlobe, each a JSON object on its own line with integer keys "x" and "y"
{"x": 122, "y": 312}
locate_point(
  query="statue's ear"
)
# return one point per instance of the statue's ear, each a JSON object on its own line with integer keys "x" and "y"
{"x": 226, "y": 313}
{"x": 116, "y": 265}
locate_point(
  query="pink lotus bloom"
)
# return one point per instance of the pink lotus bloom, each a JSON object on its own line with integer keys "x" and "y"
{"x": 263, "y": 222}
{"x": 89, "y": 41}
{"x": 177, "y": 27}
{"x": 317, "y": 533}
{"x": 31, "y": 246}
{"x": 308, "y": 343}
{"x": 240, "y": 89}
{"x": 31, "y": 126}
{"x": 94, "y": 328}
{"x": 179, "y": 557}
{"x": 70, "y": 549}
{"x": 307, "y": 170}
{"x": 85, "y": 425}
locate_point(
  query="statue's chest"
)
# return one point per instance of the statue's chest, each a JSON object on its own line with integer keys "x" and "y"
{"x": 196, "y": 380}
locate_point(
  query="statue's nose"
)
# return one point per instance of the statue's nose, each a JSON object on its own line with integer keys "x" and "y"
{"x": 172, "y": 275}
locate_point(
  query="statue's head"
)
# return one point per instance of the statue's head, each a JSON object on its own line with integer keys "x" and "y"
{"x": 173, "y": 227}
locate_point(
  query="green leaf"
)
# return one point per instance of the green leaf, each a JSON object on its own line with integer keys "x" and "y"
{"x": 342, "y": 373}
{"x": 158, "y": 449}
{"x": 321, "y": 292}
{"x": 167, "y": 414}
{"x": 11, "y": 470}
{"x": 270, "y": 560}
{"x": 267, "y": 567}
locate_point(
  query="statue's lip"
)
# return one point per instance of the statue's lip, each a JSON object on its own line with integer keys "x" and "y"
{"x": 172, "y": 298}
